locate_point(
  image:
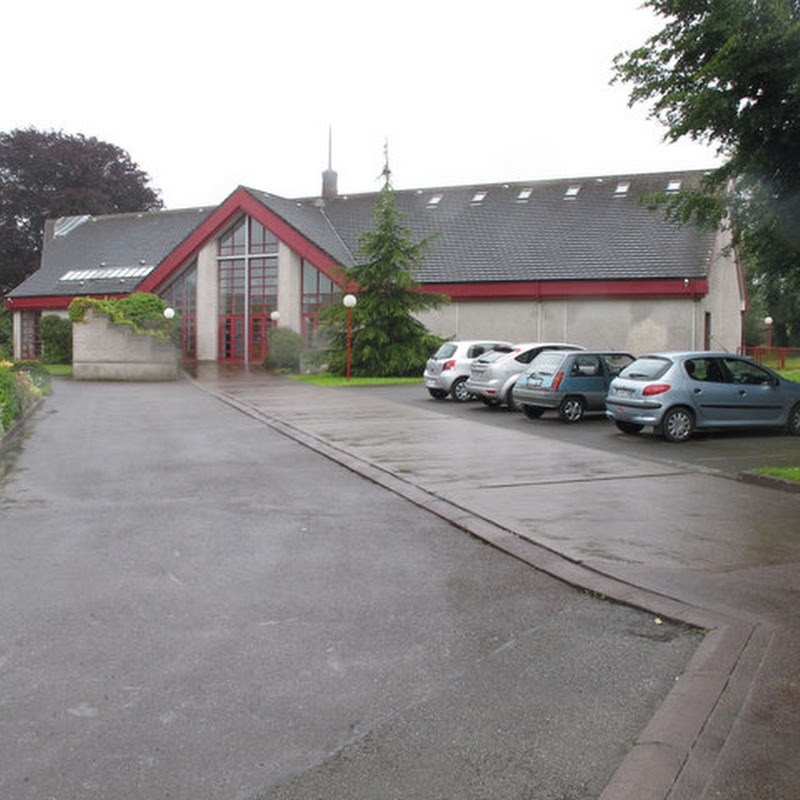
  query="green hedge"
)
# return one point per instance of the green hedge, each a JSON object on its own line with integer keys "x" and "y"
{"x": 142, "y": 311}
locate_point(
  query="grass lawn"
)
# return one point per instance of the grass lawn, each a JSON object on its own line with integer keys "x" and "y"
{"x": 788, "y": 473}
{"x": 59, "y": 369}
{"x": 326, "y": 379}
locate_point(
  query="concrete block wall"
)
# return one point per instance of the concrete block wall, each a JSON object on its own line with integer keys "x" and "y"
{"x": 104, "y": 351}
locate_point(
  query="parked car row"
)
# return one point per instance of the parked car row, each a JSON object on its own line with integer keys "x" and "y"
{"x": 674, "y": 393}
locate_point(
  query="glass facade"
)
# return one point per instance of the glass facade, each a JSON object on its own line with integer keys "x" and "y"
{"x": 181, "y": 295}
{"x": 247, "y": 257}
{"x": 318, "y": 292}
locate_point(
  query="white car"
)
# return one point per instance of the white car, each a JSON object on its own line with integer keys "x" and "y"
{"x": 492, "y": 376}
{"x": 447, "y": 369}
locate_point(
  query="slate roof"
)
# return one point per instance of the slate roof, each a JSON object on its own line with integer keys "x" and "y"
{"x": 522, "y": 231}
{"x": 309, "y": 218}
{"x": 114, "y": 243}
{"x": 596, "y": 235}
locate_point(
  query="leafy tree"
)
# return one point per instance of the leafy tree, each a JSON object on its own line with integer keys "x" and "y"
{"x": 727, "y": 72}
{"x": 387, "y": 340}
{"x": 45, "y": 175}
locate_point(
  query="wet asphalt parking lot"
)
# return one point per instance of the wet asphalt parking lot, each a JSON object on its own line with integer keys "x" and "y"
{"x": 197, "y": 607}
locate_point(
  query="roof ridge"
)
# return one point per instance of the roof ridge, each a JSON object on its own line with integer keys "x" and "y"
{"x": 611, "y": 176}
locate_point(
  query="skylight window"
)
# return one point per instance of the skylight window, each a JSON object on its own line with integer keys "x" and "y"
{"x": 434, "y": 200}
{"x": 622, "y": 188}
{"x": 112, "y": 272}
{"x": 479, "y": 197}
{"x": 674, "y": 186}
{"x": 65, "y": 225}
{"x": 524, "y": 195}
{"x": 572, "y": 191}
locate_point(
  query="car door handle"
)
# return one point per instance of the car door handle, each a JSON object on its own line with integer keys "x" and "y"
{"x": 742, "y": 392}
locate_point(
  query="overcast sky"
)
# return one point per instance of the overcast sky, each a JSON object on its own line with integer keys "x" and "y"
{"x": 205, "y": 97}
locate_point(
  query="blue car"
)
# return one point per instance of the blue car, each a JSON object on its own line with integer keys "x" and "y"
{"x": 678, "y": 393}
{"x": 571, "y": 383}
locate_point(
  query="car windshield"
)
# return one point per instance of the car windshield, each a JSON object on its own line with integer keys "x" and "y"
{"x": 545, "y": 363}
{"x": 446, "y": 350}
{"x": 646, "y": 368}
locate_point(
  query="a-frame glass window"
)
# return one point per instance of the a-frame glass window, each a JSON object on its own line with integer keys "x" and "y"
{"x": 247, "y": 259}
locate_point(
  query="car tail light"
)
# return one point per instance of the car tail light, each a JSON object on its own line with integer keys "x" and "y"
{"x": 448, "y": 364}
{"x": 655, "y": 388}
{"x": 557, "y": 380}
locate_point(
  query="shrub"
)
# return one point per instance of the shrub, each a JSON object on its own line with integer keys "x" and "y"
{"x": 21, "y": 385}
{"x": 286, "y": 348}
{"x": 56, "y": 334}
{"x": 5, "y": 332}
{"x": 9, "y": 402}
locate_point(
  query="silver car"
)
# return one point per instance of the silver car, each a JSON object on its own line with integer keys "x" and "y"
{"x": 446, "y": 371}
{"x": 678, "y": 393}
{"x": 492, "y": 376}
{"x": 571, "y": 383}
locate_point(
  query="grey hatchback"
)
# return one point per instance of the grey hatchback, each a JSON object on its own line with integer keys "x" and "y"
{"x": 492, "y": 376}
{"x": 447, "y": 370}
{"x": 572, "y": 383}
{"x": 678, "y": 393}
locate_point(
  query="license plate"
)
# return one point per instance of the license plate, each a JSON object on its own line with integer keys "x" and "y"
{"x": 624, "y": 392}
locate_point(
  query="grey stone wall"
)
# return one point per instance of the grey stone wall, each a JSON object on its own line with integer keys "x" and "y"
{"x": 104, "y": 351}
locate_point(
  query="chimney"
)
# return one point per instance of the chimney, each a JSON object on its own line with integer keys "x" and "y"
{"x": 330, "y": 190}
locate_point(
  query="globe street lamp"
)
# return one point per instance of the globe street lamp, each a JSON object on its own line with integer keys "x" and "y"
{"x": 275, "y": 316}
{"x": 169, "y": 315}
{"x": 349, "y": 301}
{"x": 768, "y": 327}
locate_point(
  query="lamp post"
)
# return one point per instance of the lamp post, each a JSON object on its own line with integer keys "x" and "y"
{"x": 169, "y": 314}
{"x": 349, "y": 301}
{"x": 275, "y": 316}
{"x": 768, "y": 328}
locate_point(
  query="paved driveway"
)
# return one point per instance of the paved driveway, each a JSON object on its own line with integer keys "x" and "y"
{"x": 685, "y": 539}
{"x": 197, "y": 607}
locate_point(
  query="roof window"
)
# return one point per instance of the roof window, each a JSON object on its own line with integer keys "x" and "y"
{"x": 674, "y": 186}
{"x": 572, "y": 191}
{"x": 65, "y": 225}
{"x": 622, "y": 188}
{"x": 105, "y": 272}
{"x": 478, "y": 197}
{"x": 524, "y": 195}
{"x": 434, "y": 200}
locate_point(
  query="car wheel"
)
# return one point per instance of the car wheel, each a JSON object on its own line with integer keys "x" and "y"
{"x": 458, "y": 390}
{"x": 511, "y": 404}
{"x": 571, "y": 409}
{"x": 629, "y": 427}
{"x": 533, "y": 412}
{"x": 677, "y": 425}
{"x": 794, "y": 420}
{"x": 437, "y": 394}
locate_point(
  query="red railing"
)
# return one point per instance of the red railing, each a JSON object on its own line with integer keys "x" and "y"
{"x": 772, "y": 356}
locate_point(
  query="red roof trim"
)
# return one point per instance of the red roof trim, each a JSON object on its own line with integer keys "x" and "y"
{"x": 665, "y": 289}
{"x": 240, "y": 202}
{"x": 43, "y": 303}
{"x": 552, "y": 290}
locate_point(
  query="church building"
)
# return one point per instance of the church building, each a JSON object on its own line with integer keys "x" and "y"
{"x": 579, "y": 260}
